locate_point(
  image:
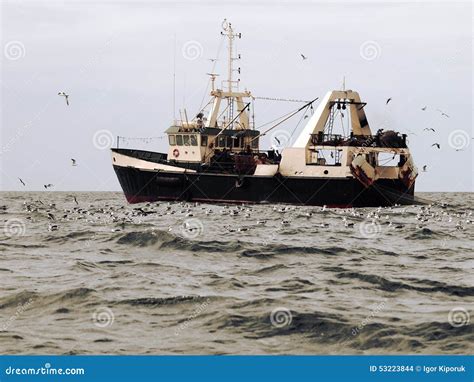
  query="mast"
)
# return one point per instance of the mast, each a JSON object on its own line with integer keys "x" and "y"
{"x": 229, "y": 32}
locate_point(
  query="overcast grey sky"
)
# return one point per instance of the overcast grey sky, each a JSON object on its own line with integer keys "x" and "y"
{"x": 115, "y": 59}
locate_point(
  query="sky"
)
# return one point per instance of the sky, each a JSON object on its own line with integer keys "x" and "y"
{"x": 117, "y": 61}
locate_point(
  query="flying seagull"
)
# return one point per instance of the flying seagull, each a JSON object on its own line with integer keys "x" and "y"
{"x": 436, "y": 144}
{"x": 276, "y": 139}
{"x": 429, "y": 129}
{"x": 21, "y": 180}
{"x": 73, "y": 162}
{"x": 388, "y": 100}
{"x": 423, "y": 108}
{"x": 303, "y": 56}
{"x": 443, "y": 113}
{"x": 66, "y": 96}
{"x": 48, "y": 185}
{"x": 424, "y": 168}
{"x": 75, "y": 200}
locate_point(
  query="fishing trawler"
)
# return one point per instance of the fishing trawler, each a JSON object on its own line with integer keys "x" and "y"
{"x": 215, "y": 156}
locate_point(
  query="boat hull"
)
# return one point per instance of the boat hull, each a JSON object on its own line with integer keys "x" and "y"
{"x": 149, "y": 186}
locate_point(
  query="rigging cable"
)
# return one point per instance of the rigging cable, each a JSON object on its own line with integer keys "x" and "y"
{"x": 281, "y": 99}
{"x": 286, "y": 118}
{"x": 212, "y": 71}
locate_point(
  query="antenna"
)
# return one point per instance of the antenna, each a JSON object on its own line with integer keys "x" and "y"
{"x": 344, "y": 83}
{"x": 174, "y": 79}
{"x": 213, "y": 79}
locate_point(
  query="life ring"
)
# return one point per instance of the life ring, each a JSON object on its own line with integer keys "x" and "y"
{"x": 176, "y": 153}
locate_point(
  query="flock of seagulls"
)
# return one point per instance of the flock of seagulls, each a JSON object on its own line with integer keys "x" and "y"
{"x": 429, "y": 129}
{"x": 48, "y": 185}
{"x": 247, "y": 218}
{"x": 73, "y": 161}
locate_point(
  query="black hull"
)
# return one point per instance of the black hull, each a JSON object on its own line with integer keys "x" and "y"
{"x": 149, "y": 186}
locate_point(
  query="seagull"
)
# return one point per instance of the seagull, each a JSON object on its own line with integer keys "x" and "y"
{"x": 429, "y": 129}
{"x": 423, "y": 108}
{"x": 276, "y": 139}
{"x": 48, "y": 185}
{"x": 212, "y": 59}
{"x": 73, "y": 162}
{"x": 66, "y": 96}
{"x": 388, "y": 100}
{"x": 436, "y": 144}
{"x": 75, "y": 200}
{"x": 53, "y": 227}
{"x": 424, "y": 168}
{"x": 443, "y": 113}
{"x": 303, "y": 56}
{"x": 305, "y": 117}
{"x": 21, "y": 180}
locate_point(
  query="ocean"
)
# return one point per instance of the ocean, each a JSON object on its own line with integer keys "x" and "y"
{"x": 87, "y": 273}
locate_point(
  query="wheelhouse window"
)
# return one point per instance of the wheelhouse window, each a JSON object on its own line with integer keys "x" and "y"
{"x": 179, "y": 140}
{"x": 193, "y": 139}
{"x": 186, "y": 140}
{"x": 221, "y": 141}
{"x": 254, "y": 143}
{"x": 204, "y": 140}
{"x": 172, "y": 140}
{"x": 229, "y": 142}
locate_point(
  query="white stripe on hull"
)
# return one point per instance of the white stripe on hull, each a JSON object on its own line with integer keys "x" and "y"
{"x": 128, "y": 161}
